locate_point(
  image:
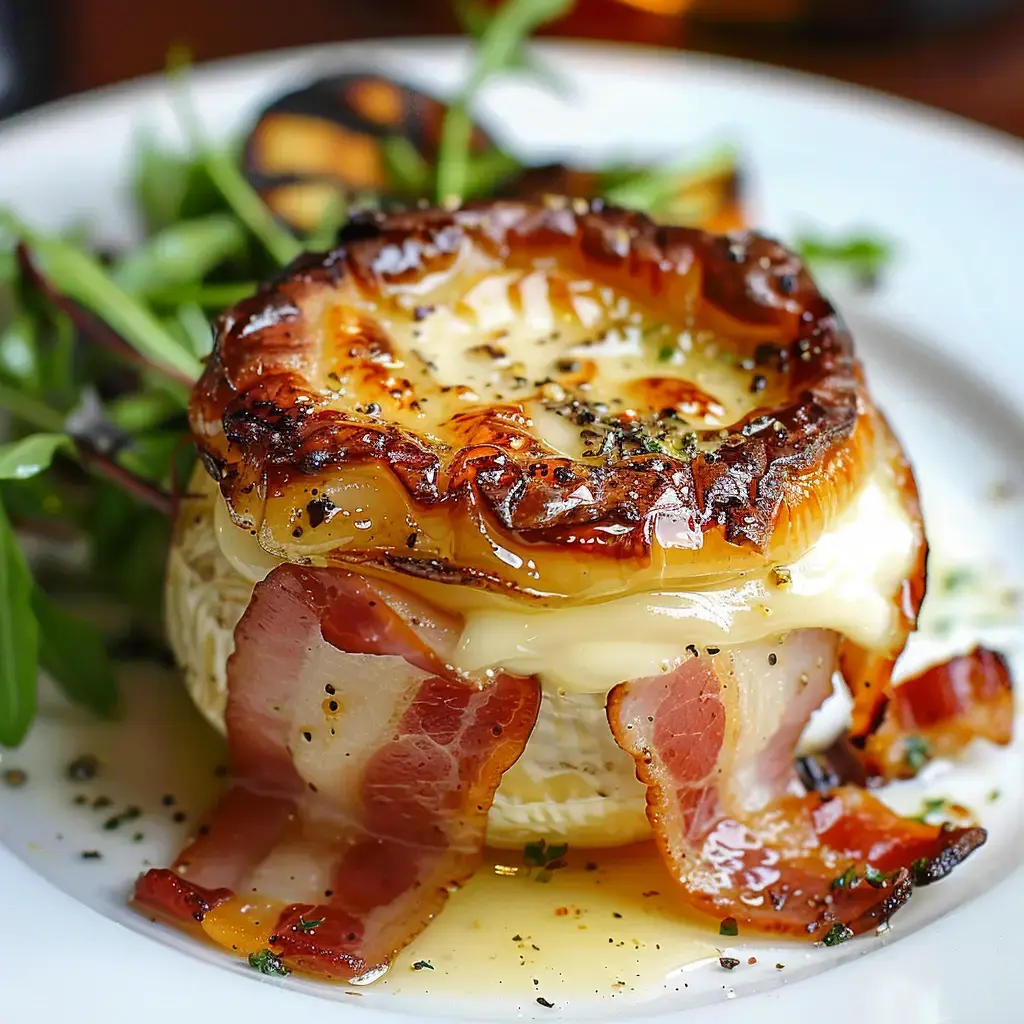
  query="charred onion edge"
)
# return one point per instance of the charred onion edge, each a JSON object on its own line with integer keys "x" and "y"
{"x": 257, "y": 425}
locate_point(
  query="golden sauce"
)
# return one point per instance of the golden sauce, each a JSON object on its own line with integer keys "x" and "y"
{"x": 607, "y": 923}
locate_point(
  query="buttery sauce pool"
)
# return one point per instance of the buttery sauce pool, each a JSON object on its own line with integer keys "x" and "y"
{"x": 606, "y": 923}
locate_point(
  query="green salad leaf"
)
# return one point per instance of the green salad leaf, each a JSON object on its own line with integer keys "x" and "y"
{"x": 73, "y": 653}
{"x": 19, "y": 639}
{"x": 182, "y": 253}
{"x": 30, "y": 455}
{"x": 499, "y": 48}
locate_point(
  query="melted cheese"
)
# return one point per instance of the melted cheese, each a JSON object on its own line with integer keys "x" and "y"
{"x": 845, "y": 582}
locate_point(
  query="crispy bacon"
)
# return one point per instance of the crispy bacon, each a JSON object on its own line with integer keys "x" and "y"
{"x": 938, "y": 713}
{"x": 777, "y": 859}
{"x": 365, "y": 768}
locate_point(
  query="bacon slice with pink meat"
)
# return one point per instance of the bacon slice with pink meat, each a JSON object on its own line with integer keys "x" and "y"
{"x": 364, "y": 770}
{"x": 714, "y": 743}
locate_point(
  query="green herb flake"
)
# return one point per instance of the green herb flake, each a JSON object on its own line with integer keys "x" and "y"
{"x": 847, "y": 880}
{"x": 993, "y": 796}
{"x": 267, "y": 962}
{"x": 837, "y": 934}
{"x": 535, "y": 854}
{"x": 666, "y": 352}
{"x": 729, "y": 927}
{"x": 916, "y": 753}
{"x": 308, "y": 926}
{"x": 957, "y": 579}
{"x": 423, "y": 965}
{"x": 920, "y": 871}
{"x": 930, "y": 807}
{"x": 874, "y": 877}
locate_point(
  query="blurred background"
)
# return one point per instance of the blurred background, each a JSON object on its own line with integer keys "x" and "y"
{"x": 966, "y": 56}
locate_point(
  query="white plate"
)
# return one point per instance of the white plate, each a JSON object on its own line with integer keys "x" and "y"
{"x": 941, "y": 340}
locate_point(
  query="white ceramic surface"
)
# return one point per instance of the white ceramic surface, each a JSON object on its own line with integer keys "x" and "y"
{"x": 941, "y": 340}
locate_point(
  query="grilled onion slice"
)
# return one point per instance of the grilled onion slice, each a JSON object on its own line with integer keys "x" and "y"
{"x": 556, "y": 400}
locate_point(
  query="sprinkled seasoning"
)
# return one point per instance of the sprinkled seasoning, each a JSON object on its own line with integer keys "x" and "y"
{"x": 15, "y": 778}
{"x": 728, "y": 962}
{"x": 423, "y": 965}
{"x": 91, "y": 855}
{"x": 545, "y": 1002}
{"x": 773, "y": 658}
{"x": 128, "y": 814}
{"x": 782, "y": 577}
{"x": 83, "y": 768}
{"x": 729, "y": 927}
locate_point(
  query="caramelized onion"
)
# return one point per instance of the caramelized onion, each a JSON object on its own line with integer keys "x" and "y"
{"x": 420, "y": 383}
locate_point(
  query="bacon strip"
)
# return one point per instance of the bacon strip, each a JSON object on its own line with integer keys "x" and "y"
{"x": 938, "y": 713}
{"x": 364, "y": 771}
{"x": 826, "y": 867}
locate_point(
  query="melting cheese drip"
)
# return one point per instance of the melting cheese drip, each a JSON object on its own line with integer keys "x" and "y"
{"x": 845, "y": 582}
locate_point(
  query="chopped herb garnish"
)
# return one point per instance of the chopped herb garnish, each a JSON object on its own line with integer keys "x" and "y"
{"x": 957, "y": 579}
{"x": 920, "y": 871}
{"x": 545, "y": 1002}
{"x": 993, "y": 796}
{"x": 931, "y": 807}
{"x": 267, "y": 962}
{"x": 308, "y": 926}
{"x": 728, "y": 962}
{"x": 548, "y": 858}
{"x": 15, "y": 778}
{"x": 837, "y": 934}
{"x": 874, "y": 877}
{"x": 916, "y": 753}
{"x": 534, "y": 854}
{"x": 84, "y": 768}
{"x": 729, "y": 927}
{"x": 423, "y": 965}
{"x": 847, "y": 880}
{"x": 782, "y": 577}
{"x": 666, "y": 352}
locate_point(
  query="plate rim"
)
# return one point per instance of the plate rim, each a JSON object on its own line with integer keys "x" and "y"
{"x": 777, "y": 1004}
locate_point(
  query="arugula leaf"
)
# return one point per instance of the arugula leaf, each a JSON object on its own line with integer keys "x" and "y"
{"x": 19, "y": 640}
{"x": 332, "y": 218}
{"x": 405, "y": 167}
{"x": 650, "y": 190}
{"x": 192, "y": 325}
{"x": 31, "y": 455}
{"x": 143, "y": 410}
{"x": 19, "y": 352}
{"x": 77, "y": 274}
{"x": 865, "y": 255}
{"x": 232, "y": 184}
{"x": 160, "y": 182}
{"x": 208, "y": 296}
{"x": 499, "y": 44}
{"x": 72, "y": 651}
{"x": 476, "y": 15}
{"x": 181, "y": 254}
{"x": 30, "y": 410}
{"x": 489, "y": 169}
